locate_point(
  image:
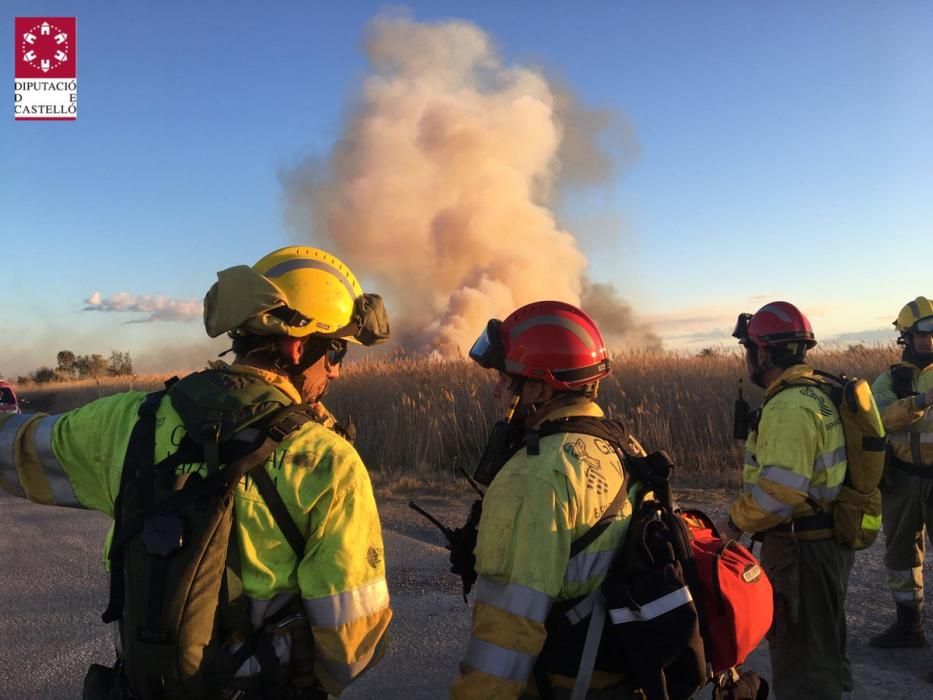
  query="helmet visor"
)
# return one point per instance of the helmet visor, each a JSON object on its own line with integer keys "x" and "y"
{"x": 487, "y": 350}
{"x": 924, "y": 325}
{"x": 741, "y": 327}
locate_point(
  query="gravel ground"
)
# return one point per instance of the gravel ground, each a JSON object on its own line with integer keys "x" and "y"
{"x": 53, "y": 589}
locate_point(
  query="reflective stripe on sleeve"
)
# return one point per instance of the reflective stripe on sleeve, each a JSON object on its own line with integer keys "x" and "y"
{"x": 825, "y": 493}
{"x": 770, "y": 504}
{"x": 61, "y": 487}
{"x": 347, "y": 606}
{"x": 498, "y": 661}
{"x": 785, "y": 477}
{"x": 829, "y": 459}
{"x": 8, "y": 432}
{"x": 651, "y": 610}
{"x": 586, "y": 565}
{"x": 514, "y": 598}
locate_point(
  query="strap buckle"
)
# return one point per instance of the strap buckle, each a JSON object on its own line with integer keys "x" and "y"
{"x": 283, "y": 429}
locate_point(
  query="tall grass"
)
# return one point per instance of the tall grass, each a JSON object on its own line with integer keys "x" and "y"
{"x": 423, "y": 418}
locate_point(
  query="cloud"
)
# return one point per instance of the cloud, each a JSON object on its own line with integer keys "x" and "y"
{"x": 158, "y": 307}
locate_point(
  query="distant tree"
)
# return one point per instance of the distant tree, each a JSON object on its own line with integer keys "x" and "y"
{"x": 66, "y": 363}
{"x": 44, "y": 375}
{"x": 90, "y": 366}
{"x": 120, "y": 364}
{"x": 708, "y": 352}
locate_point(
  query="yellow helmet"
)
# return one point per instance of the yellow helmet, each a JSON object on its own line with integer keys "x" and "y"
{"x": 920, "y": 309}
{"x": 295, "y": 291}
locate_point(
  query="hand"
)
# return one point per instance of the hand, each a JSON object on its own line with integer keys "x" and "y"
{"x": 726, "y": 528}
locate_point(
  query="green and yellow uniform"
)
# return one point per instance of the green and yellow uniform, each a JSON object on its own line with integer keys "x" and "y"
{"x": 908, "y": 484}
{"x": 75, "y": 459}
{"x": 795, "y": 464}
{"x": 534, "y": 508}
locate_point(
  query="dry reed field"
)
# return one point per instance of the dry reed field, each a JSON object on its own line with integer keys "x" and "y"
{"x": 420, "y": 419}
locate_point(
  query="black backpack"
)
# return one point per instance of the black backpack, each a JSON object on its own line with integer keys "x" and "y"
{"x": 175, "y": 581}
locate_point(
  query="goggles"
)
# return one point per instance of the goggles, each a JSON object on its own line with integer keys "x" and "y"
{"x": 924, "y": 325}
{"x": 741, "y": 327}
{"x": 316, "y": 347}
{"x": 487, "y": 351}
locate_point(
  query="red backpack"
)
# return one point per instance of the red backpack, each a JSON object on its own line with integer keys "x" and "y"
{"x": 734, "y": 594}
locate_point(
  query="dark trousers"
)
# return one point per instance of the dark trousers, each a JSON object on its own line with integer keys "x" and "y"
{"x": 807, "y": 640}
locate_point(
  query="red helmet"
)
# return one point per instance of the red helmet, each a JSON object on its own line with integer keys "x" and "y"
{"x": 774, "y": 323}
{"x": 551, "y": 341}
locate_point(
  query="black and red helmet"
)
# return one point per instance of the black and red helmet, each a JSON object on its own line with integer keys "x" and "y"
{"x": 550, "y": 341}
{"x": 773, "y": 324}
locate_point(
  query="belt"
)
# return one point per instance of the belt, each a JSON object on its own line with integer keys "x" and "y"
{"x": 924, "y": 471}
{"x": 805, "y": 523}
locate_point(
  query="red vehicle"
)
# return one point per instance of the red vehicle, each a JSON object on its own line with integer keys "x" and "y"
{"x": 8, "y": 402}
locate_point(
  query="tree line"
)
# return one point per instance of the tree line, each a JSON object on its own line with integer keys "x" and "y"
{"x": 71, "y": 366}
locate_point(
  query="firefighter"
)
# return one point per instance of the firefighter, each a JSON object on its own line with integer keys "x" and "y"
{"x": 290, "y": 318}
{"x": 795, "y": 463}
{"x": 544, "y": 493}
{"x": 904, "y": 394}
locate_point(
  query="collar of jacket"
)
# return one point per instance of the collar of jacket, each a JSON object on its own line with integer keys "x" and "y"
{"x": 276, "y": 380}
{"x": 579, "y": 406}
{"x": 788, "y": 376}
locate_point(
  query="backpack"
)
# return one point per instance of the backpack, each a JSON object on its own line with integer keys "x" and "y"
{"x": 678, "y": 603}
{"x": 857, "y": 509}
{"x": 175, "y": 581}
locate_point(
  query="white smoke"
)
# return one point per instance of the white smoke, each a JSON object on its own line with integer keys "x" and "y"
{"x": 440, "y": 184}
{"x": 158, "y": 307}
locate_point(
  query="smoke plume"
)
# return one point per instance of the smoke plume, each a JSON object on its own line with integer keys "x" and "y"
{"x": 159, "y": 308}
{"x": 439, "y": 187}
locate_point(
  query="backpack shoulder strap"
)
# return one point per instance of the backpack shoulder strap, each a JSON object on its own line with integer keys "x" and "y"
{"x": 287, "y": 422}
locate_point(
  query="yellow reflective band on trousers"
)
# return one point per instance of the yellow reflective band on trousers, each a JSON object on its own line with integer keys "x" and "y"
{"x": 797, "y": 453}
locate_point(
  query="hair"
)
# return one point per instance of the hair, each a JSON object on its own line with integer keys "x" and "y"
{"x": 256, "y": 346}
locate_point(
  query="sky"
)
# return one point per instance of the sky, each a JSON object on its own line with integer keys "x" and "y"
{"x": 755, "y": 151}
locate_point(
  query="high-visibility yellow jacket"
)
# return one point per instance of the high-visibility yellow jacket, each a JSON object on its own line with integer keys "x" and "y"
{"x": 907, "y": 421}
{"x": 534, "y": 508}
{"x": 797, "y": 452}
{"x": 75, "y": 459}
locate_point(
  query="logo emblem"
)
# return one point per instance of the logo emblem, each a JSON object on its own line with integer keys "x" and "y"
{"x": 752, "y": 573}
{"x": 45, "y": 68}
{"x": 46, "y": 46}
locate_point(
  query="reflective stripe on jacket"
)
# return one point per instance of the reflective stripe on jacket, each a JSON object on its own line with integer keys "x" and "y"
{"x": 797, "y": 452}
{"x": 534, "y": 508}
{"x": 909, "y": 424}
{"x": 76, "y": 458}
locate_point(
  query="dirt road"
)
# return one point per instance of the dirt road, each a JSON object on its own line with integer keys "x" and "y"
{"x": 52, "y": 591}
